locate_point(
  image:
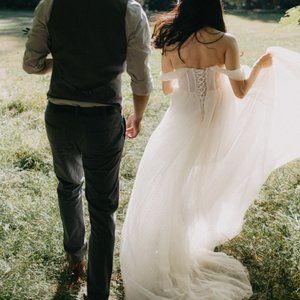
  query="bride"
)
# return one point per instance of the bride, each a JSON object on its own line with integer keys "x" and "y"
{"x": 228, "y": 126}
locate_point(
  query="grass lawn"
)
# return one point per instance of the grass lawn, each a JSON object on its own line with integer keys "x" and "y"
{"x": 31, "y": 250}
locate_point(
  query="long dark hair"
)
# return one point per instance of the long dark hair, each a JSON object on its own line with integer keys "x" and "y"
{"x": 186, "y": 19}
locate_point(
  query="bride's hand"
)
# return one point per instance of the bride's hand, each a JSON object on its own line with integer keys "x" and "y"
{"x": 133, "y": 127}
{"x": 265, "y": 61}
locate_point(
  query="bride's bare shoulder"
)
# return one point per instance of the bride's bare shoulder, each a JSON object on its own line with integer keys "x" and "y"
{"x": 230, "y": 41}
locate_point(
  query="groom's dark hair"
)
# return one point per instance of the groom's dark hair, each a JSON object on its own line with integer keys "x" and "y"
{"x": 186, "y": 19}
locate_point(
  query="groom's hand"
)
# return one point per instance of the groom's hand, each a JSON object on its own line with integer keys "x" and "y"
{"x": 133, "y": 127}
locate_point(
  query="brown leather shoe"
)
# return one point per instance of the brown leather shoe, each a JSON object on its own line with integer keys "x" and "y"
{"x": 78, "y": 269}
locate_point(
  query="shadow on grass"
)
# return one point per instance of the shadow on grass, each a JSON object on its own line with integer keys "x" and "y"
{"x": 69, "y": 288}
{"x": 268, "y": 16}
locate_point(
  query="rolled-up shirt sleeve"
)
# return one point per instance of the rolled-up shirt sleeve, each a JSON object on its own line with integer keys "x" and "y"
{"x": 138, "y": 49}
{"x": 37, "y": 45}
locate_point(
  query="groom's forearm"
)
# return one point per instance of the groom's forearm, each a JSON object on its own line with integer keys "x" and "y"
{"x": 140, "y": 103}
{"x": 38, "y": 41}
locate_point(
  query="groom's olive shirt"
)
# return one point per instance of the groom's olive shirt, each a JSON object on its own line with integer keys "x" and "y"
{"x": 137, "y": 33}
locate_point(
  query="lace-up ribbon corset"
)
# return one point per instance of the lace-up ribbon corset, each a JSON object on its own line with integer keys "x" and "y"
{"x": 197, "y": 83}
{"x": 200, "y": 81}
{"x": 194, "y": 81}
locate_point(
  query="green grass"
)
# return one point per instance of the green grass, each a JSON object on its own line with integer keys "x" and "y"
{"x": 31, "y": 250}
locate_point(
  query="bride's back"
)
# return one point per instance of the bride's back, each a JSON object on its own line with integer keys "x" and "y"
{"x": 193, "y": 35}
{"x": 201, "y": 51}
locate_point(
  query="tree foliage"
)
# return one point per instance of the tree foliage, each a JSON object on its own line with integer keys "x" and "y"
{"x": 167, "y": 4}
{"x": 19, "y": 4}
{"x": 159, "y": 4}
{"x": 246, "y": 4}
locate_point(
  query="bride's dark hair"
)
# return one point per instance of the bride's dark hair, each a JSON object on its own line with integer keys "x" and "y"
{"x": 186, "y": 19}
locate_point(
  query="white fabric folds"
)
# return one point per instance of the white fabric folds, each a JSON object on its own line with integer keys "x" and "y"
{"x": 201, "y": 170}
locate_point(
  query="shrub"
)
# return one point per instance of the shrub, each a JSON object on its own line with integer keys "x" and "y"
{"x": 30, "y": 159}
{"x": 16, "y": 107}
{"x": 291, "y": 17}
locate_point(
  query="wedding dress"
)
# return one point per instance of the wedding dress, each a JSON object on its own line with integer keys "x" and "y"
{"x": 202, "y": 168}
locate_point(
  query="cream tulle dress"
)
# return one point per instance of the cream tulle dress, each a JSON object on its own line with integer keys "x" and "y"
{"x": 202, "y": 168}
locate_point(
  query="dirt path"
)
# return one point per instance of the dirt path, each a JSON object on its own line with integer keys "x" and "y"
{"x": 12, "y": 41}
{"x": 11, "y": 25}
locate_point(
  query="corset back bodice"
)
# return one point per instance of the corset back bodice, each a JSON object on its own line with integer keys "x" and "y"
{"x": 198, "y": 83}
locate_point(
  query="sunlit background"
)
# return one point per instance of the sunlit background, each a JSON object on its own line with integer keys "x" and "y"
{"x": 31, "y": 249}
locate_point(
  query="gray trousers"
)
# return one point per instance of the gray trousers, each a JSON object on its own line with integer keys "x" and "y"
{"x": 87, "y": 143}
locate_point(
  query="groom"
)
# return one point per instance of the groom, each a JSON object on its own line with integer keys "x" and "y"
{"x": 91, "y": 42}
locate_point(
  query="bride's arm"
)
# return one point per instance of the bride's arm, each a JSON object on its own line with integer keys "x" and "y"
{"x": 232, "y": 62}
{"x": 166, "y": 66}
